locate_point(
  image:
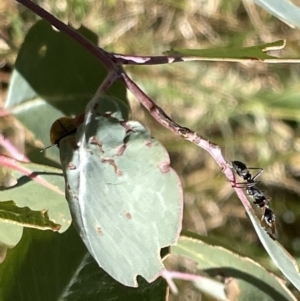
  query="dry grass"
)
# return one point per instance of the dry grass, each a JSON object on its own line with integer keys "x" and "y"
{"x": 250, "y": 110}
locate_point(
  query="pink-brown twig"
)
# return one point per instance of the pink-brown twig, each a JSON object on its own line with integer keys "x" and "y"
{"x": 111, "y": 63}
{"x": 20, "y": 167}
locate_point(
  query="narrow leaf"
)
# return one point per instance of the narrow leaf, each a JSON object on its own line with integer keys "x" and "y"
{"x": 85, "y": 286}
{"x": 11, "y": 213}
{"x": 244, "y": 278}
{"x": 256, "y": 53}
{"x": 47, "y": 193}
{"x": 284, "y": 10}
{"x": 284, "y": 261}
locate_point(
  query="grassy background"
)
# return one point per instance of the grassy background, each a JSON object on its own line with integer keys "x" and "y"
{"x": 251, "y": 110}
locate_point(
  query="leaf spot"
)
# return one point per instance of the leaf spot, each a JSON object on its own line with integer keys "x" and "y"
{"x": 148, "y": 143}
{"x": 113, "y": 164}
{"x": 127, "y": 127}
{"x": 164, "y": 167}
{"x": 128, "y": 215}
{"x": 71, "y": 166}
{"x": 99, "y": 231}
{"x": 120, "y": 149}
{"x": 95, "y": 141}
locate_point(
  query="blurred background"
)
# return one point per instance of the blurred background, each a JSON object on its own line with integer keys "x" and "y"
{"x": 251, "y": 110}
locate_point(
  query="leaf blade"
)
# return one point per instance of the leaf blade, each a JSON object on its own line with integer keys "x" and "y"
{"x": 26, "y": 217}
{"x": 123, "y": 195}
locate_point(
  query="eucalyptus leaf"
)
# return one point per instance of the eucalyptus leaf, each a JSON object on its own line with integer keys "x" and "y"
{"x": 38, "y": 187}
{"x": 239, "y": 54}
{"x": 65, "y": 271}
{"x": 244, "y": 278}
{"x": 284, "y": 10}
{"x": 54, "y": 76}
{"x": 125, "y": 199}
{"x": 26, "y": 217}
{"x": 283, "y": 260}
{"x": 87, "y": 284}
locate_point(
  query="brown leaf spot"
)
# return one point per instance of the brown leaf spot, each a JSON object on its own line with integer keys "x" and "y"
{"x": 164, "y": 167}
{"x": 95, "y": 141}
{"x": 113, "y": 164}
{"x": 127, "y": 127}
{"x": 55, "y": 227}
{"x": 99, "y": 231}
{"x": 128, "y": 215}
{"x": 120, "y": 149}
{"x": 119, "y": 172}
{"x": 71, "y": 166}
{"x": 148, "y": 143}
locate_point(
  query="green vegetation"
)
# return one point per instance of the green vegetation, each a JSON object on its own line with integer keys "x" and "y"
{"x": 251, "y": 110}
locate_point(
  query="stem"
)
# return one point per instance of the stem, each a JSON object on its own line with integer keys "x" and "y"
{"x": 122, "y": 59}
{"x": 160, "y": 116}
{"x": 184, "y": 132}
{"x": 22, "y": 168}
{"x": 111, "y": 61}
{"x": 9, "y": 147}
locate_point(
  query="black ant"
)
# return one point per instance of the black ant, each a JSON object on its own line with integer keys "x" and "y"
{"x": 243, "y": 171}
{"x": 259, "y": 198}
{"x": 268, "y": 218}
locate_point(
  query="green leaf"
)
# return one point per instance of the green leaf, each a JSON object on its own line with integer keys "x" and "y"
{"x": 283, "y": 260}
{"x": 38, "y": 187}
{"x": 244, "y": 278}
{"x": 88, "y": 276}
{"x": 54, "y": 76}
{"x": 284, "y": 10}
{"x": 26, "y": 217}
{"x": 65, "y": 272}
{"x": 257, "y": 52}
{"x": 125, "y": 199}
{"x": 41, "y": 265}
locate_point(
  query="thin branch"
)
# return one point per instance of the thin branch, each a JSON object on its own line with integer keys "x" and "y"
{"x": 110, "y": 63}
{"x": 171, "y": 275}
{"x": 9, "y": 147}
{"x": 123, "y": 59}
{"x": 160, "y": 116}
{"x": 20, "y": 167}
{"x": 111, "y": 77}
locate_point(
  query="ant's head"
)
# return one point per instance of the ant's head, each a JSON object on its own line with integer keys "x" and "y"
{"x": 241, "y": 169}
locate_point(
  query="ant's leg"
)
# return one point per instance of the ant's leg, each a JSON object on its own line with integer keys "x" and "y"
{"x": 243, "y": 185}
{"x": 262, "y": 219}
{"x": 258, "y": 174}
{"x": 273, "y": 228}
